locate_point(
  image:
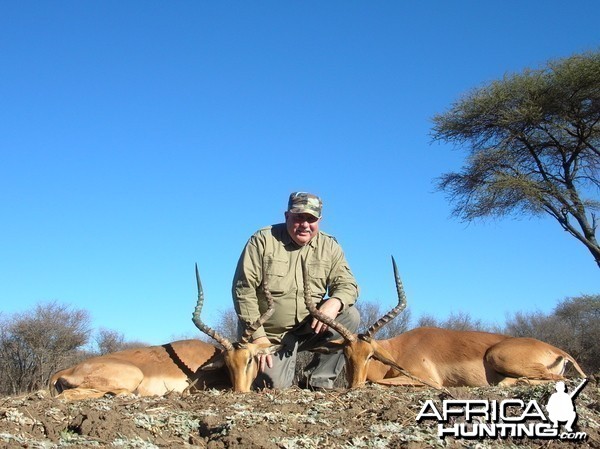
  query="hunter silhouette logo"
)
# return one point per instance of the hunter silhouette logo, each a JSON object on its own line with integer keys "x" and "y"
{"x": 509, "y": 418}
{"x": 560, "y": 405}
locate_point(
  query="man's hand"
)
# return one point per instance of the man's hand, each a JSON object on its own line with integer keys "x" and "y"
{"x": 265, "y": 360}
{"x": 330, "y": 308}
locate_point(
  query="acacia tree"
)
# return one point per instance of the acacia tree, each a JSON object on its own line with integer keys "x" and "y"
{"x": 534, "y": 146}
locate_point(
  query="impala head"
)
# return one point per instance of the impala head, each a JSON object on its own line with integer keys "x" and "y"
{"x": 358, "y": 349}
{"x": 240, "y": 358}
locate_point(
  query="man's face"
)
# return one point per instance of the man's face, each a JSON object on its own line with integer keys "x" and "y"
{"x": 301, "y": 227}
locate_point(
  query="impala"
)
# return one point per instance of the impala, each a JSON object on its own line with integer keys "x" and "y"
{"x": 172, "y": 367}
{"x": 440, "y": 357}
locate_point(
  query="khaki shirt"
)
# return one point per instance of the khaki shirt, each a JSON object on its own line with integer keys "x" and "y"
{"x": 329, "y": 274}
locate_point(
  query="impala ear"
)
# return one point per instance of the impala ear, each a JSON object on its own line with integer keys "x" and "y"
{"x": 217, "y": 363}
{"x": 329, "y": 347}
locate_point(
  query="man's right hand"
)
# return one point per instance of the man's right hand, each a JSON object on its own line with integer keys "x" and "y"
{"x": 264, "y": 360}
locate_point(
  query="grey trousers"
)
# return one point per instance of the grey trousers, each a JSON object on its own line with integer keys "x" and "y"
{"x": 326, "y": 366}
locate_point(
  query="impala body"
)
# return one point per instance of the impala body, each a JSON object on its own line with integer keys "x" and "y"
{"x": 172, "y": 367}
{"x": 451, "y": 358}
{"x": 146, "y": 371}
{"x": 441, "y": 357}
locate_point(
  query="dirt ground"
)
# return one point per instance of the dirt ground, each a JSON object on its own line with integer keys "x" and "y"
{"x": 371, "y": 417}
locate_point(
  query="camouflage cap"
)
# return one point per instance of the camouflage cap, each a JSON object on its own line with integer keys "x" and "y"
{"x": 305, "y": 203}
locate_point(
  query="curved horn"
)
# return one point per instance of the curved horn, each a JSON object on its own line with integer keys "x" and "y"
{"x": 396, "y": 310}
{"x": 265, "y": 316}
{"x": 310, "y": 305}
{"x": 198, "y": 322}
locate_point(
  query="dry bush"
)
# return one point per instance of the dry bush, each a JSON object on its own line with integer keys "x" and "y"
{"x": 581, "y": 315}
{"x": 573, "y": 325}
{"x": 37, "y": 343}
{"x": 228, "y": 325}
{"x": 34, "y": 344}
{"x": 108, "y": 341}
{"x": 370, "y": 312}
{"x": 460, "y": 321}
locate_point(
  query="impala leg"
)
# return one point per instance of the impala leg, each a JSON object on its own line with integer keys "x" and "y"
{"x": 525, "y": 358}
{"x": 93, "y": 378}
{"x": 400, "y": 381}
{"x": 510, "y": 381}
{"x": 76, "y": 394}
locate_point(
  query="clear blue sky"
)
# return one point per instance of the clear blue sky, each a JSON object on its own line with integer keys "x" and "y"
{"x": 140, "y": 137}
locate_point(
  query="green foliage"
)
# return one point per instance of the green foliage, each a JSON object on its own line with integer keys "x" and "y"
{"x": 533, "y": 143}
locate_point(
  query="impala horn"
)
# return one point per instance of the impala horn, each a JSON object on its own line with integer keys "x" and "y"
{"x": 310, "y": 305}
{"x": 265, "y": 316}
{"x": 200, "y": 324}
{"x": 395, "y": 311}
{"x": 213, "y": 333}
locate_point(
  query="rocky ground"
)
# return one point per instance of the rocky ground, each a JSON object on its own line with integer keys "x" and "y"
{"x": 371, "y": 417}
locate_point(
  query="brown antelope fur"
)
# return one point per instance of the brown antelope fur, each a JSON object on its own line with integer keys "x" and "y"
{"x": 172, "y": 367}
{"x": 441, "y": 357}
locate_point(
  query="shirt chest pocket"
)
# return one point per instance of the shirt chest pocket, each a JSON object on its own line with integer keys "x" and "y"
{"x": 278, "y": 276}
{"x": 318, "y": 273}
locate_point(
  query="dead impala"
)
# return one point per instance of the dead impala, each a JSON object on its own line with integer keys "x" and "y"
{"x": 172, "y": 367}
{"x": 440, "y": 357}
